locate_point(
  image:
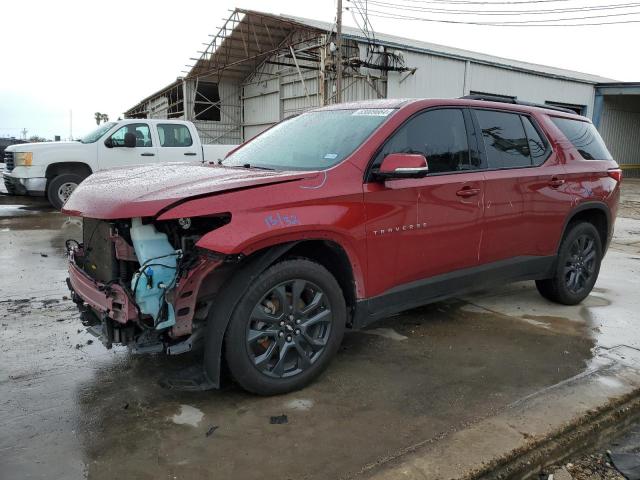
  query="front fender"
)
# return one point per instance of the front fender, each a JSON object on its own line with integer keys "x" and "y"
{"x": 227, "y": 299}
{"x": 251, "y": 232}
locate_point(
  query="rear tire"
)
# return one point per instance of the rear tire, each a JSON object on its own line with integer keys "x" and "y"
{"x": 61, "y": 187}
{"x": 577, "y": 266}
{"x": 286, "y": 328}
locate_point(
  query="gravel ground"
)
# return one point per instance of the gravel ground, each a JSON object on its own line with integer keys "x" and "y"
{"x": 597, "y": 465}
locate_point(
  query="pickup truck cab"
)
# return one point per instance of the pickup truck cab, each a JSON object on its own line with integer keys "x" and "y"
{"x": 55, "y": 169}
{"x": 334, "y": 219}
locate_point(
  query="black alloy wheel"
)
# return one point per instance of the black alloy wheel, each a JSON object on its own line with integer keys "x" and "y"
{"x": 577, "y": 265}
{"x": 289, "y": 328}
{"x": 286, "y": 328}
{"x": 581, "y": 263}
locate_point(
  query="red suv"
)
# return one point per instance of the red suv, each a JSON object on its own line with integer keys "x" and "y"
{"x": 334, "y": 219}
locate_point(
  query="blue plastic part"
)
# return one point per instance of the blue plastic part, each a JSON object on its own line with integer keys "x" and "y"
{"x": 158, "y": 270}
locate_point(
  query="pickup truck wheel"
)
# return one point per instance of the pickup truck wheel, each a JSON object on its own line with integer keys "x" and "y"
{"x": 61, "y": 187}
{"x": 286, "y": 328}
{"x": 578, "y": 265}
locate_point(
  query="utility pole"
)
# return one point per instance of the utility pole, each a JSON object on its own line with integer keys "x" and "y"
{"x": 339, "y": 53}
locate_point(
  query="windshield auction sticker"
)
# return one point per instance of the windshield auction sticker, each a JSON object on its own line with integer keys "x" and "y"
{"x": 373, "y": 112}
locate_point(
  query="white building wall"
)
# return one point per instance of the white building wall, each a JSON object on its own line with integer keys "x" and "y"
{"x": 158, "y": 107}
{"x": 530, "y": 87}
{"x": 261, "y": 106}
{"x": 442, "y": 77}
{"x": 435, "y": 77}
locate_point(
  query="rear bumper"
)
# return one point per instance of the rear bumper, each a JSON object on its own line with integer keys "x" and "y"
{"x": 35, "y": 186}
{"x": 109, "y": 300}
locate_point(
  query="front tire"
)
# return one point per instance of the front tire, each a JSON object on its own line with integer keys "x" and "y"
{"x": 286, "y": 328}
{"x": 578, "y": 265}
{"x": 61, "y": 187}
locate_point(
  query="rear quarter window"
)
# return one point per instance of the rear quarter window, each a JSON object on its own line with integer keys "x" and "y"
{"x": 584, "y": 137}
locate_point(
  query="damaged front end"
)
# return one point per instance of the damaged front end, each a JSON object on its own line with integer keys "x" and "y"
{"x": 139, "y": 282}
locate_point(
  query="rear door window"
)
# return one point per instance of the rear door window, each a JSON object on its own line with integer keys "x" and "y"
{"x": 439, "y": 135}
{"x": 585, "y": 137}
{"x": 505, "y": 141}
{"x": 174, "y": 135}
{"x": 538, "y": 146}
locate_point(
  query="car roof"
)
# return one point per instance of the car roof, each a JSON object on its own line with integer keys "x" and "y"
{"x": 398, "y": 103}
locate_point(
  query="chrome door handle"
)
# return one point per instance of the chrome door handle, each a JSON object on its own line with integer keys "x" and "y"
{"x": 468, "y": 192}
{"x": 147, "y": 154}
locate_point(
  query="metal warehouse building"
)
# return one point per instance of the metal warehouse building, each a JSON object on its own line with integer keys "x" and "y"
{"x": 261, "y": 68}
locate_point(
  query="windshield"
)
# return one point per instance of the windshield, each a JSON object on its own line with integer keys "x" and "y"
{"x": 311, "y": 141}
{"x": 97, "y": 133}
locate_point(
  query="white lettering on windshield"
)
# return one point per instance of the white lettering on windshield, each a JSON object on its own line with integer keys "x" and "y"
{"x": 373, "y": 112}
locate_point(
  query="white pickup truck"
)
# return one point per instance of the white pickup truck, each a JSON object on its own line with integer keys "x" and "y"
{"x": 54, "y": 169}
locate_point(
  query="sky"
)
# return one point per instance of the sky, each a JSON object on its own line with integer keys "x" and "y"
{"x": 68, "y": 58}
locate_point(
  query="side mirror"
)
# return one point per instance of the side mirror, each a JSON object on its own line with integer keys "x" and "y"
{"x": 129, "y": 140}
{"x": 108, "y": 143}
{"x": 403, "y": 165}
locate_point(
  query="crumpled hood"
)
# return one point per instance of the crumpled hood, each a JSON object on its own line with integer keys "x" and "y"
{"x": 144, "y": 191}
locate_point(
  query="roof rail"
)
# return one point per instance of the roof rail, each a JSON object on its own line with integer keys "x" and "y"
{"x": 515, "y": 101}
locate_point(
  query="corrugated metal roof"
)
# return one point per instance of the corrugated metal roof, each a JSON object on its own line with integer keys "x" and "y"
{"x": 244, "y": 42}
{"x": 442, "y": 50}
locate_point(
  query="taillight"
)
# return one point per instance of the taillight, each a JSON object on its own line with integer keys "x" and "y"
{"x": 616, "y": 174}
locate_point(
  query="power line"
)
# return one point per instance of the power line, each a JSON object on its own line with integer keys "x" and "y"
{"x": 511, "y": 23}
{"x": 473, "y": 2}
{"x": 367, "y": 29}
{"x": 401, "y": 6}
{"x": 505, "y": 24}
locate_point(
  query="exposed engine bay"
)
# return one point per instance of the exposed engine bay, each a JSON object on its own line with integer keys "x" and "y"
{"x": 137, "y": 282}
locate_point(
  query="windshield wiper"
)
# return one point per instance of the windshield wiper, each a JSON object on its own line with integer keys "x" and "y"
{"x": 244, "y": 165}
{"x": 248, "y": 165}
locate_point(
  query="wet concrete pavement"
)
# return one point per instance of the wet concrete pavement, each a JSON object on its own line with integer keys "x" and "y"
{"x": 71, "y": 409}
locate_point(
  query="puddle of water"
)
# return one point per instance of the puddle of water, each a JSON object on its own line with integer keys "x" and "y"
{"x": 386, "y": 333}
{"x": 18, "y": 210}
{"x": 188, "y": 416}
{"x": 300, "y": 404}
{"x": 536, "y": 323}
{"x": 610, "y": 382}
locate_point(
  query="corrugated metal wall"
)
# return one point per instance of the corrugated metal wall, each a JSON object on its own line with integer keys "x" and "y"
{"x": 443, "y": 77}
{"x": 158, "y": 107}
{"x": 275, "y": 92}
{"x": 435, "y": 77}
{"x": 261, "y": 105}
{"x": 228, "y": 130}
{"x": 530, "y": 87}
{"x": 619, "y": 127}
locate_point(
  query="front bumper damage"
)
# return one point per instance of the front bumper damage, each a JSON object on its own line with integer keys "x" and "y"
{"x": 110, "y": 311}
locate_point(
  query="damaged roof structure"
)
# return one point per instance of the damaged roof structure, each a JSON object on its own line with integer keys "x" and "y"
{"x": 261, "y": 68}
